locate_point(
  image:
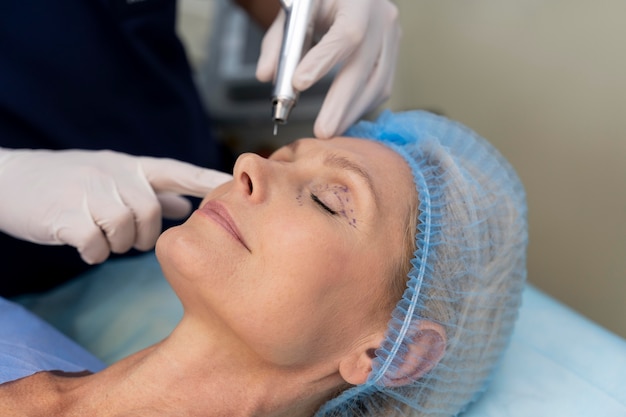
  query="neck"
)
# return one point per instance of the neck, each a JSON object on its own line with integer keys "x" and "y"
{"x": 189, "y": 374}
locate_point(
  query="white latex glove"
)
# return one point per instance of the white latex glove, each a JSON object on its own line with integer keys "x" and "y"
{"x": 363, "y": 37}
{"x": 97, "y": 201}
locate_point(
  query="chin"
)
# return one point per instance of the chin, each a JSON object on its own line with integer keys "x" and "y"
{"x": 178, "y": 251}
{"x": 193, "y": 253}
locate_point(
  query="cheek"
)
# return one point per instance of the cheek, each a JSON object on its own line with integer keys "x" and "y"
{"x": 309, "y": 246}
{"x": 315, "y": 290}
{"x": 293, "y": 290}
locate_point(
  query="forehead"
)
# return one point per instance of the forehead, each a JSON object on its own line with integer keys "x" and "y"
{"x": 372, "y": 153}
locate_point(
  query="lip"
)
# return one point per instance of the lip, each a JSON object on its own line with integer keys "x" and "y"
{"x": 218, "y": 213}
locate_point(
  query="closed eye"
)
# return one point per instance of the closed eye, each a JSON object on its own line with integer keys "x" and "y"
{"x": 322, "y": 205}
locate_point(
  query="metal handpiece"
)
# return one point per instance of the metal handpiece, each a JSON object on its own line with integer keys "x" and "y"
{"x": 297, "y": 37}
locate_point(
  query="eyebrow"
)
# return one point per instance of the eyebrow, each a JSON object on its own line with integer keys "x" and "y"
{"x": 339, "y": 162}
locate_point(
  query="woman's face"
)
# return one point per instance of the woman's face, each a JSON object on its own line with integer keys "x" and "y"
{"x": 295, "y": 254}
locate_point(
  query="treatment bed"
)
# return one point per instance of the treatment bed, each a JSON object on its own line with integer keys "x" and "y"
{"x": 558, "y": 364}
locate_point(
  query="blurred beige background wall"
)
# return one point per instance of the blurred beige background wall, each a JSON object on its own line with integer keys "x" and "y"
{"x": 545, "y": 81}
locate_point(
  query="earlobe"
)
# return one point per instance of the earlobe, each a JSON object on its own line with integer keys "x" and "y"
{"x": 357, "y": 365}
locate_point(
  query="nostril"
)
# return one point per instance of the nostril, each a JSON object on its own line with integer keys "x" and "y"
{"x": 248, "y": 181}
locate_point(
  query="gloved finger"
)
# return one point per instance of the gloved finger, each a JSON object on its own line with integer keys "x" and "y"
{"x": 339, "y": 101}
{"x": 170, "y": 175}
{"x": 94, "y": 251}
{"x": 174, "y": 206}
{"x": 337, "y": 45}
{"x": 163, "y": 175}
{"x": 333, "y": 120}
{"x": 379, "y": 86}
{"x": 343, "y": 104}
{"x": 77, "y": 228}
{"x": 142, "y": 201}
{"x": 112, "y": 213}
{"x": 270, "y": 49}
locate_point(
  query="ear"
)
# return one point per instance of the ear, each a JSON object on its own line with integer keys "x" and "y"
{"x": 427, "y": 347}
{"x": 355, "y": 367}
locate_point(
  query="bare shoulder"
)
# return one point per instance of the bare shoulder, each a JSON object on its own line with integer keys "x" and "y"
{"x": 33, "y": 395}
{"x": 14, "y": 395}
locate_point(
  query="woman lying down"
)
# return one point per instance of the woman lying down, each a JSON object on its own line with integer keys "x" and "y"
{"x": 376, "y": 274}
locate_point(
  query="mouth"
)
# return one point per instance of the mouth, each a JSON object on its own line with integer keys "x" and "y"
{"x": 218, "y": 213}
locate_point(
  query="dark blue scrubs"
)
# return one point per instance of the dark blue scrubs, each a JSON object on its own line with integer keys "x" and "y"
{"x": 93, "y": 74}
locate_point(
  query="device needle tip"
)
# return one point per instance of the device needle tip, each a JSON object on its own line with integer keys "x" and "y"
{"x": 275, "y": 129}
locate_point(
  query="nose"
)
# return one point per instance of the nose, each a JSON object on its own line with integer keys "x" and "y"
{"x": 252, "y": 174}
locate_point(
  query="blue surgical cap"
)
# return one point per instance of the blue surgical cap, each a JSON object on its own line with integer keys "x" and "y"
{"x": 467, "y": 272}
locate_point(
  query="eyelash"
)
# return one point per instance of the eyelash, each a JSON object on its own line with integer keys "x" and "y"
{"x": 322, "y": 205}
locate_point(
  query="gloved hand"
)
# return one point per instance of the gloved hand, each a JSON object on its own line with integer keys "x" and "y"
{"x": 97, "y": 201}
{"x": 363, "y": 37}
